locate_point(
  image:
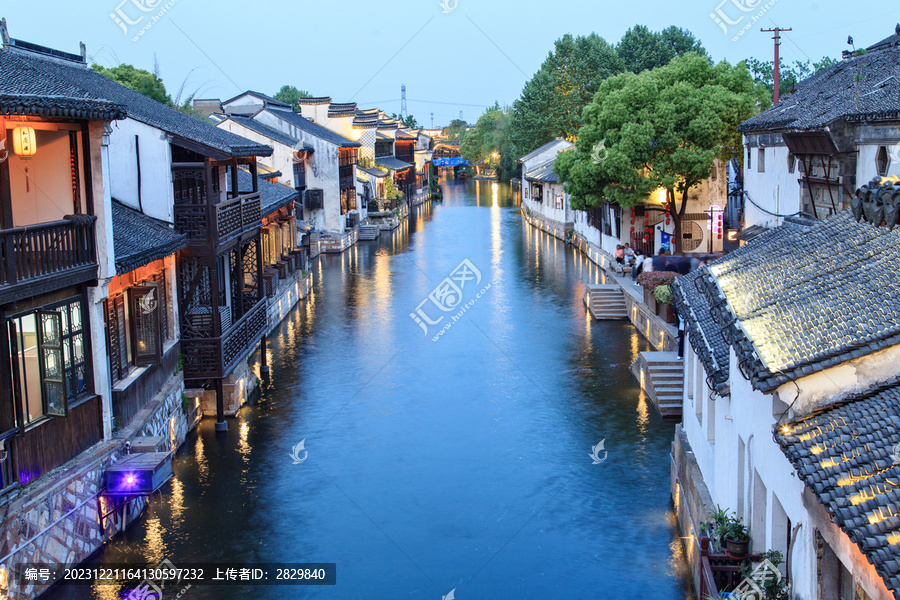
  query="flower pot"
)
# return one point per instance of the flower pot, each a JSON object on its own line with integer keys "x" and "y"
{"x": 737, "y": 548}
{"x": 666, "y": 311}
{"x": 650, "y": 300}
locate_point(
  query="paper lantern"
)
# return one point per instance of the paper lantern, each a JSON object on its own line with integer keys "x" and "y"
{"x": 24, "y": 142}
{"x": 632, "y": 221}
{"x": 632, "y": 229}
{"x": 667, "y": 221}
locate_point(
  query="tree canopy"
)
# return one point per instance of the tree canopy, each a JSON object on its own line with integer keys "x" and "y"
{"x": 139, "y": 80}
{"x": 657, "y": 129}
{"x": 552, "y": 101}
{"x": 409, "y": 121}
{"x": 489, "y": 140}
{"x": 289, "y": 94}
{"x": 763, "y": 71}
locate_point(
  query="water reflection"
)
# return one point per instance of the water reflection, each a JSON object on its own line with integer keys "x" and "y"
{"x": 432, "y": 465}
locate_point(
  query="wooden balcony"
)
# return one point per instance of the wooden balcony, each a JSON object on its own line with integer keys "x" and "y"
{"x": 719, "y": 573}
{"x": 215, "y": 357}
{"x": 231, "y": 219}
{"x": 40, "y": 258}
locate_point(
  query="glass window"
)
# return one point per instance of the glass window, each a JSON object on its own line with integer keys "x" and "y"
{"x": 50, "y": 370}
{"x": 136, "y": 326}
{"x": 882, "y": 161}
{"x": 761, "y": 160}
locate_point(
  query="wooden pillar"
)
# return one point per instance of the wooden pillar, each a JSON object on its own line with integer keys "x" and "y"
{"x": 221, "y": 425}
{"x": 235, "y": 191}
{"x": 253, "y": 176}
{"x": 6, "y": 217}
{"x": 264, "y": 360}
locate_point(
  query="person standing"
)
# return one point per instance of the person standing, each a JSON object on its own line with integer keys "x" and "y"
{"x": 659, "y": 261}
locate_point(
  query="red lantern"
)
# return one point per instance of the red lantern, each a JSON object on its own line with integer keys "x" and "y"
{"x": 667, "y": 221}
{"x": 646, "y": 238}
{"x": 647, "y": 229}
{"x": 719, "y": 236}
{"x": 668, "y": 215}
{"x": 632, "y": 230}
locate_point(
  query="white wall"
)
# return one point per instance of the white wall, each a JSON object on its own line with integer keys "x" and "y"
{"x": 157, "y": 194}
{"x": 776, "y": 189}
{"x": 321, "y": 172}
{"x": 41, "y": 185}
{"x": 282, "y": 158}
{"x": 865, "y": 165}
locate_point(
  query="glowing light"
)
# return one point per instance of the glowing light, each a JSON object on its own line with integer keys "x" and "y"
{"x": 817, "y": 450}
{"x": 828, "y": 463}
{"x": 24, "y": 142}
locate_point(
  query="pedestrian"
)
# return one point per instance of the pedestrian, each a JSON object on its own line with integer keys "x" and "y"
{"x": 680, "y": 322}
{"x": 638, "y": 267}
{"x": 629, "y": 255}
{"x": 683, "y": 265}
{"x": 659, "y": 261}
{"x": 620, "y": 254}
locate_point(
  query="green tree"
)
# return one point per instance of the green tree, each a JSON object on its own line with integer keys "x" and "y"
{"x": 551, "y": 102}
{"x": 641, "y": 49}
{"x": 489, "y": 140}
{"x": 289, "y": 94}
{"x": 658, "y": 129}
{"x": 139, "y": 80}
{"x": 763, "y": 72}
{"x": 455, "y": 131}
{"x": 409, "y": 121}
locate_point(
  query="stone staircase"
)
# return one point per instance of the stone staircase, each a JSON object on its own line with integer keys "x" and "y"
{"x": 661, "y": 375}
{"x": 605, "y": 302}
{"x": 369, "y": 232}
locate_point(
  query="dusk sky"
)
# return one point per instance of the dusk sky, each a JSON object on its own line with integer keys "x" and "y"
{"x": 460, "y": 60}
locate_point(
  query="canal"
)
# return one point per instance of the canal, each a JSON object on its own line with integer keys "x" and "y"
{"x": 434, "y": 461}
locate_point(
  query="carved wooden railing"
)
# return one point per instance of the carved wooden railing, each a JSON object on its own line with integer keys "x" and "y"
{"x": 237, "y": 215}
{"x": 708, "y": 589}
{"x": 231, "y": 218}
{"x": 214, "y": 357}
{"x": 46, "y": 249}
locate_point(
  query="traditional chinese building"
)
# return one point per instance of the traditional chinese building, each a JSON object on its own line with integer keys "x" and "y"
{"x": 789, "y": 396}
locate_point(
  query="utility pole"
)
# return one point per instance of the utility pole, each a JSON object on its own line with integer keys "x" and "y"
{"x": 777, "y": 37}
{"x": 403, "y": 101}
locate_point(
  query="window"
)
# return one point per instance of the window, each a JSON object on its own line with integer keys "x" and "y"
{"x": 49, "y": 370}
{"x": 136, "y": 326}
{"x": 882, "y": 161}
{"x": 761, "y": 160}
{"x": 792, "y": 162}
{"x": 748, "y": 158}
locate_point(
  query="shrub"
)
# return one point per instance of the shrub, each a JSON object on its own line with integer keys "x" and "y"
{"x": 663, "y": 294}
{"x": 653, "y": 279}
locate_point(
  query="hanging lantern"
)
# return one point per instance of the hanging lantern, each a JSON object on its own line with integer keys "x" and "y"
{"x": 24, "y": 142}
{"x": 668, "y": 214}
{"x": 646, "y": 238}
{"x": 632, "y": 229}
{"x": 667, "y": 221}
{"x": 632, "y": 221}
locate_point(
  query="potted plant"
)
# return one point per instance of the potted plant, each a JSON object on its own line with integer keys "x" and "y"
{"x": 773, "y": 588}
{"x": 665, "y": 301}
{"x": 737, "y": 539}
{"x": 719, "y": 526}
{"x": 650, "y": 281}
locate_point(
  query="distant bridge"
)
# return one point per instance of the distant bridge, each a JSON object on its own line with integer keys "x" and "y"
{"x": 454, "y": 161}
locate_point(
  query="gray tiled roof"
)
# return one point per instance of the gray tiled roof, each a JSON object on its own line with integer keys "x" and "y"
{"x": 267, "y": 131}
{"x": 389, "y": 162}
{"x": 546, "y": 146}
{"x": 269, "y": 100}
{"x": 543, "y": 173}
{"x": 308, "y": 126}
{"x": 373, "y": 171}
{"x": 138, "y": 239}
{"x": 845, "y": 454}
{"x": 858, "y": 88}
{"x": 30, "y": 74}
{"x": 272, "y": 196}
{"x": 802, "y": 298}
{"x": 704, "y": 334}
{"x": 59, "y": 106}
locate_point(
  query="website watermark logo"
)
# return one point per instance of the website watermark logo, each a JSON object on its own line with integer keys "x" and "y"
{"x": 600, "y": 153}
{"x": 894, "y": 153}
{"x": 295, "y": 452}
{"x": 132, "y": 14}
{"x": 730, "y": 14}
{"x": 595, "y": 452}
{"x": 448, "y": 297}
{"x": 448, "y": 5}
{"x": 754, "y": 586}
{"x": 166, "y": 573}
{"x": 451, "y": 595}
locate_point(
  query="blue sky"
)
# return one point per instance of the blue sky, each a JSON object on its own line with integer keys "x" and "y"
{"x": 460, "y": 60}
